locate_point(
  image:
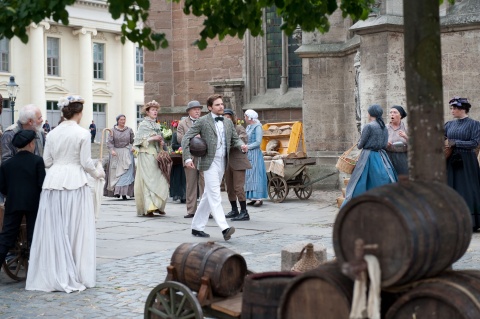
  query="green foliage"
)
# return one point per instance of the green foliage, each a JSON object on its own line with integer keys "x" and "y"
{"x": 222, "y": 17}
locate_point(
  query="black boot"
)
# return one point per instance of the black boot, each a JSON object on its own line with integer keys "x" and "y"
{"x": 233, "y": 213}
{"x": 242, "y": 216}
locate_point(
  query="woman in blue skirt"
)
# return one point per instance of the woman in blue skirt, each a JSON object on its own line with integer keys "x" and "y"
{"x": 256, "y": 177}
{"x": 373, "y": 167}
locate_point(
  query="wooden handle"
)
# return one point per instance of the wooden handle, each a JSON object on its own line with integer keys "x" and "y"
{"x": 101, "y": 143}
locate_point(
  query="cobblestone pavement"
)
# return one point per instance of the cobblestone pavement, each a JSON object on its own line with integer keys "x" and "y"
{"x": 133, "y": 253}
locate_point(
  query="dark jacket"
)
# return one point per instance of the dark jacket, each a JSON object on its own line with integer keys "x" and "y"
{"x": 21, "y": 179}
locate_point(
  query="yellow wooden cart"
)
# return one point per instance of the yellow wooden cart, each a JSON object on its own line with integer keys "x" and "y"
{"x": 288, "y": 171}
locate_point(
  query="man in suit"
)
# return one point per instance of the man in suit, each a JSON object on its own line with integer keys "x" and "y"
{"x": 21, "y": 179}
{"x": 220, "y": 136}
{"x": 235, "y": 174}
{"x": 29, "y": 118}
{"x": 195, "y": 180}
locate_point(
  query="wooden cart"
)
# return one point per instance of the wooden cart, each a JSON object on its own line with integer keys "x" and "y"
{"x": 178, "y": 297}
{"x": 16, "y": 263}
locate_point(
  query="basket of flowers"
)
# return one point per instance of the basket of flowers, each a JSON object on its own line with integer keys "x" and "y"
{"x": 177, "y": 156}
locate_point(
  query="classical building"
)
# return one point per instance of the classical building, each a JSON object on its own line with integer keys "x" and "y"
{"x": 85, "y": 58}
{"x": 326, "y": 80}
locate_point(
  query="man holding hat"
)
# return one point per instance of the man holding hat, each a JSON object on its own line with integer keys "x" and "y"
{"x": 21, "y": 179}
{"x": 194, "y": 178}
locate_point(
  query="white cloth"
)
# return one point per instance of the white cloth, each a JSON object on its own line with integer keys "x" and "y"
{"x": 68, "y": 155}
{"x": 211, "y": 200}
{"x": 361, "y": 308}
{"x": 63, "y": 252}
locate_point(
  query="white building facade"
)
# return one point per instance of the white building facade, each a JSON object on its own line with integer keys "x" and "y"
{"x": 85, "y": 58}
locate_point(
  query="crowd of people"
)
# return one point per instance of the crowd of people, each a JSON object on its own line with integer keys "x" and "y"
{"x": 60, "y": 208}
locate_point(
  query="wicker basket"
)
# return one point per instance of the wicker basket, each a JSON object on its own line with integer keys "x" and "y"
{"x": 347, "y": 164}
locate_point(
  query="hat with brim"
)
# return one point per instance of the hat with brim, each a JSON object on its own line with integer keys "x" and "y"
{"x": 194, "y": 104}
{"x": 22, "y": 138}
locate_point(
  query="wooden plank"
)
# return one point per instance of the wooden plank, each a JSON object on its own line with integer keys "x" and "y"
{"x": 231, "y": 306}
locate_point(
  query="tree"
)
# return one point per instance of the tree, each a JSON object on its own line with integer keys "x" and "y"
{"x": 222, "y": 17}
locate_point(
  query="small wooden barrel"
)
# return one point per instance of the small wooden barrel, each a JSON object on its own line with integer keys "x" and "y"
{"x": 225, "y": 268}
{"x": 323, "y": 292}
{"x": 421, "y": 229}
{"x": 452, "y": 295}
{"x": 262, "y": 293}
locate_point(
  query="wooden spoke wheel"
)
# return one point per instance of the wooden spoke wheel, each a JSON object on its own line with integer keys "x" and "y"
{"x": 304, "y": 192}
{"x": 16, "y": 263}
{"x": 277, "y": 189}
{"x": 172, "y": 300}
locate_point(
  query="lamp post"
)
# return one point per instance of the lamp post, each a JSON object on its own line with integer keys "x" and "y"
{"x": 12, "y": 89}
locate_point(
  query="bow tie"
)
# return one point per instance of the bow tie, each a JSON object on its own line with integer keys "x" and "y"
{"x": 218, "y": 118}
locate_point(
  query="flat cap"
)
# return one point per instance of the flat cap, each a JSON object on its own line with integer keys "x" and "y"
{"x": 23, "y": 137}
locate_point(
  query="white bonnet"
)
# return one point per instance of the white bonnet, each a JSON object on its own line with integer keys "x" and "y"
{"x": 251, "y": 114}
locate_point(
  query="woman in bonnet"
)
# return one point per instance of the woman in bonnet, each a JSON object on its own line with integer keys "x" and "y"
{"x": 151, "y": 186}
{"x": 256, "y": 177}
{"x": 373, "y": 168}
{"x": 63, "y": 252}
{"x": 121, "y": 166}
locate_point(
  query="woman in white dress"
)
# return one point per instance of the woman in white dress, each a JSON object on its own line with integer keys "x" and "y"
{"x": 63, "y": 252}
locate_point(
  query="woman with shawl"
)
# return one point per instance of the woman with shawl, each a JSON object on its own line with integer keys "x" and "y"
{"x": 151, "y": 185}
{"x": 256, "y": 177}
{"x": 373, "y": 167}
{"x": 120, "y": 172}
{"x": 397, "y": 140}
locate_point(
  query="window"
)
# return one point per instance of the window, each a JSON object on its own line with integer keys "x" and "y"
{"x": 274, "y": 54}
{"x": 98, "y": 61}
{"x": 52, "y": 106}
{"x": 139, "y": 113}
{"x": 99, "y": 107}
{"x": 138, "y": 64}
{"x": 4, "y": 54}
{"x": 53, "y": 56}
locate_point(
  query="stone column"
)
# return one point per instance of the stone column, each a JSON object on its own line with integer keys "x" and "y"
{"x": 284, "y": 77}
{"x": 86, "y": 73}
{"x": 37, "y": 66}
{"x": 128, "y": 84}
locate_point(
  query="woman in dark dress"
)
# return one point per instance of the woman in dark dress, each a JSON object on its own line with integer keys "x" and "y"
{"x": 463, "y": 172}
{"x": 178, "y": 182}
{"x": 397, "y": 140}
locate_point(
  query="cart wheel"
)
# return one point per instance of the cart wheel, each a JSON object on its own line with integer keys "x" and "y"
{"x": 277, "y": 189}
{"x": 17, "y": 267}
{"x": 304, "y": 192}
{"x": 172, "y": 300}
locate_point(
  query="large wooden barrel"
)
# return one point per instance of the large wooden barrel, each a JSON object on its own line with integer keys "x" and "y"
{"x": 225, "y": 268}
{"x": 451, "y": 295}
{"x": 262, "y": 292}
{"x": 421, "y": 229}
{"x": 323, "y": 292}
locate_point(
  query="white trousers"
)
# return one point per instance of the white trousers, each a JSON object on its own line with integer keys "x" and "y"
{"x": 211, "y": 200}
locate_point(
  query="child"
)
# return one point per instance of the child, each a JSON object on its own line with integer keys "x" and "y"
{"x": 21, "y": 179}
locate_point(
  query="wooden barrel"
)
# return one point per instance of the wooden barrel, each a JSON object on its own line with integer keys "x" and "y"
{"x": 323, "y": 292}
{"x": 451, "y": 295}
{"x": 262, "y": 293}
{"x": 225, "y": 268}
{"x": 421, "y": 229}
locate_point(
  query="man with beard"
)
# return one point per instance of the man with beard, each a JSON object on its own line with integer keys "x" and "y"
{"x": 29, "y": 118}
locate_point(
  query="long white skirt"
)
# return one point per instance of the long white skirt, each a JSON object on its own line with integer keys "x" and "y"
{"x": 63, "y": 252}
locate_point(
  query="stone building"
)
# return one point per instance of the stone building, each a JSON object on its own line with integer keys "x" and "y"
{"x": 85, "y": 58}
{"x": 343, "y": 71}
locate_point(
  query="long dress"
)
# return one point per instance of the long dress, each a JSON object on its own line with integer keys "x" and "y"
{"x": 373, "y": 167}
{"x": 178, "y": 181}
{"x": 63, "y": 252}
{"x": 463, "y": 172}
{"x": 120, "y": 172}
{"x": 256, "y": 177}
{"x": 151, "y": 187}
{"x": 398, "y": 154}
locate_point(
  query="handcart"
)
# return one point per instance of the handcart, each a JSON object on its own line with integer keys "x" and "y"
{"x": 173, "y": 299}
{"x": 16, "y": 264}
{"x": 287, "y": 169}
